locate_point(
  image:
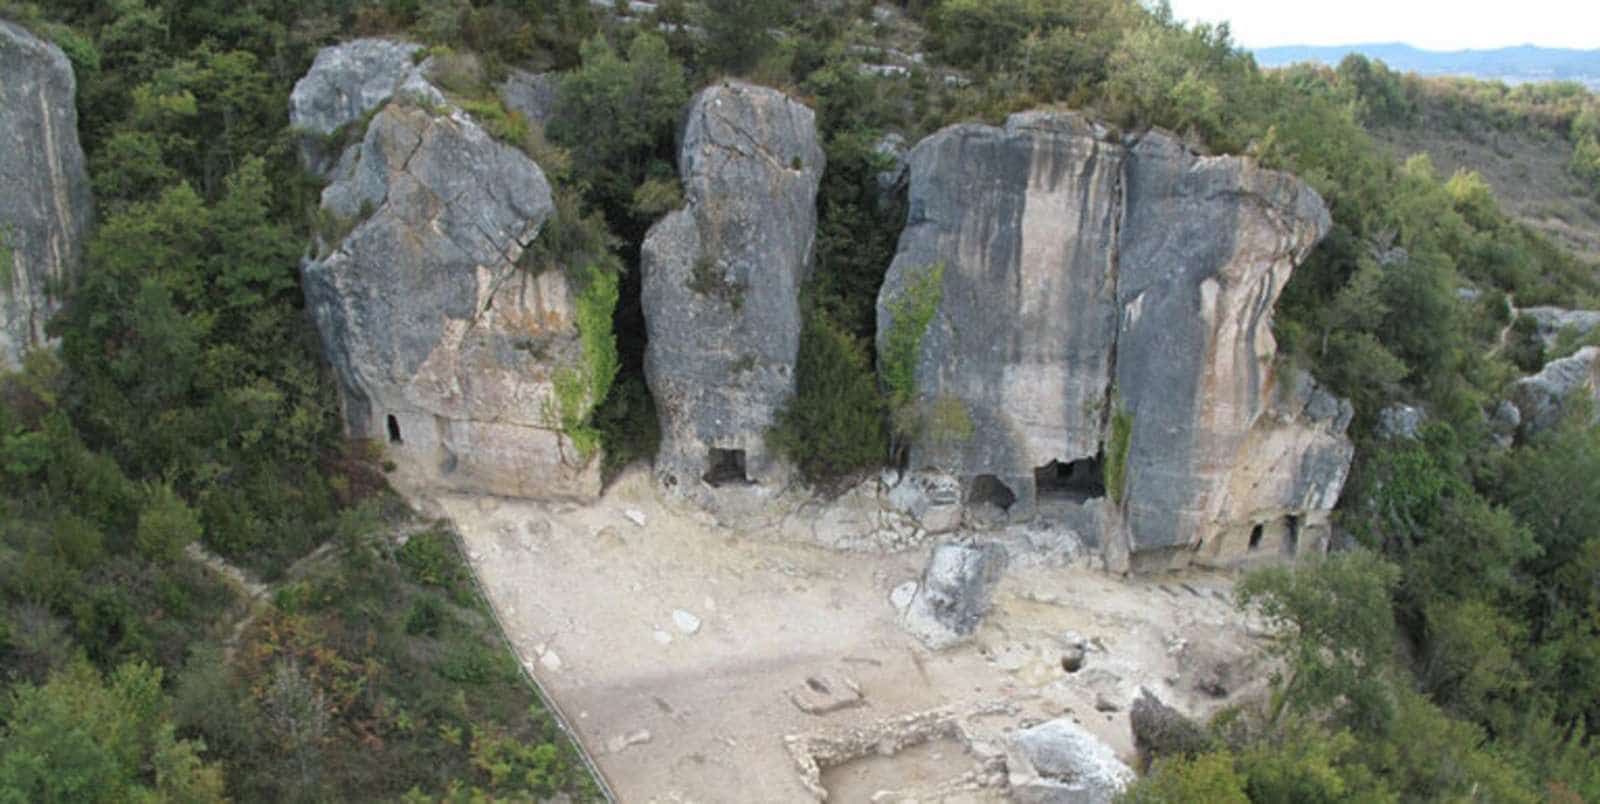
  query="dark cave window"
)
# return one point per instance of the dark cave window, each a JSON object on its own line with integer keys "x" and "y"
{"x": 394, "y": 430}
{"x": 1255, "y": 536}
{"x": 1291, "y": 535}
{"x": 726, "y": 467}
{"x": 1075, "y": 481}
{"x": 989, "y": 489}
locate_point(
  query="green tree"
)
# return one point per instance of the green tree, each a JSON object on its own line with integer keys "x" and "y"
{"x": 738, "y": 32}
{"x": 617, "y": 116}
{"x": 81, "y": 738}
{"x": 1333, "y": 628}
{"x": 166, "y": 525}
{"x": 834, "y": 424}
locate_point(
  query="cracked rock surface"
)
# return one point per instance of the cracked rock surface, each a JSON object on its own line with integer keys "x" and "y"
{"x": 1085, "y": 274}
{"x": 721, "y": 288}
{"x": 45, "y": 207}
{"x": 444, "y": 349}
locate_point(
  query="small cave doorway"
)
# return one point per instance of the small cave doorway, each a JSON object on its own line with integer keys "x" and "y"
{"x": 1291, "y": 534}
{"x": 394, "y": 431}
{"x": 1074, "y": 481}
{"x": 726, "y": 467}
{"x": 1256, "y": 532}
{"x": 989, "y": 489}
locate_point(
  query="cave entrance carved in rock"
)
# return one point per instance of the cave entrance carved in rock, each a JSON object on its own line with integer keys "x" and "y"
{"x": 1074, "y": 481}
{"x": 726, "y": 467}
{"x": 394, "y": 430}
{"x": 989, "y": 489}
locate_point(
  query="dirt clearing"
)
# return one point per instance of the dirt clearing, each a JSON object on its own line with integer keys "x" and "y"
{"x": 685, "y": 653}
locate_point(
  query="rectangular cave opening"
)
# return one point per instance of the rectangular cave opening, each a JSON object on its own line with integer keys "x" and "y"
{"x": 726, "y": 467}
{"x": 1074, "y": 481}
{"x": 394, "y": 430}
{"x": 988, "y": 489}
{"x": 1255, "y": 536}
{"x": 1291, "y": 534}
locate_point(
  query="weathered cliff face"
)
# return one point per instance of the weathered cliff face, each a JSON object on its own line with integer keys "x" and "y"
{"x": 1207, "y": 246}
{"x": 1107, "y": 304}
{"x": 444, "y": 348}
{"x": 721, "y": 288}
{"x": 45, "y": 207}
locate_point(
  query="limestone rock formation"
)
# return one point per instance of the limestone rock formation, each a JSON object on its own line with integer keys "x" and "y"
{"x": 45, "y": 207}
{"x": 1285, "y": 480}
{"x": 444, "y": 348}
{"x": 532, "y": 95}
{"x": 1104, "y": 314}
{"x": 1542, "y": 398}
{"x": 1400, "y": 422}
{"x": 1060, "y": 762}
{"x": 957, "y": 587}
{"x": 721, "y": 289}
{"x": 344, "y": 84}
{"x": 1552, "y": 321}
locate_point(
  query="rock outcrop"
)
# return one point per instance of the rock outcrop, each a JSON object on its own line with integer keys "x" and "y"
{"x": 444, "y": 348}
{"x": 1543, "y": 398}
{"x": 532, "y": 95}
{"x": 721, "y": 290}
{"x": 1552, "y": 321}
{"x": 1104, "y": 317}
{"x": 1401, "y": 422}
{"x": 45, "y": 207}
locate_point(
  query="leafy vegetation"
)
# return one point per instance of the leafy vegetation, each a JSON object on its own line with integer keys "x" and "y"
{"x": 834, "y": 425}
{"x": 579, "y": 389}
{"x": 1121, "y": 436}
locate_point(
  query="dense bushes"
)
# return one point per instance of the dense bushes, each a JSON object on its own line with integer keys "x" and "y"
{"x": 834, "y": 425}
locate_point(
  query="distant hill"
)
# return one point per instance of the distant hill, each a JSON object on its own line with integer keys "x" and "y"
{"x": 1512, "y": 64}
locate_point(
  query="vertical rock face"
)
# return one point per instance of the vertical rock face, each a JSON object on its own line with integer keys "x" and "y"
{"x": 1028, "y": 352}
{"x": 45, "y": 207}
{"x": 721, "y": 287}
{"x": 444, "y": 348}
{"x": 1207, "y": 246}
{"x": 1106, "y": 305}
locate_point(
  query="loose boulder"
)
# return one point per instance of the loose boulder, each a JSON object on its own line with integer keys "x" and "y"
{"x": 1102, "y": 314}
{"x": 721, "y": 290}
{"x": 445, "y": 349}
{"x": 956, "y": 591}
{"x": 45, "y": 208}
{"x": 1059, "y": 762}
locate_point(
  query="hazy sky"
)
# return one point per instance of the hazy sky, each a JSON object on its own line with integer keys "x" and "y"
{"x": 1432, "y": 24}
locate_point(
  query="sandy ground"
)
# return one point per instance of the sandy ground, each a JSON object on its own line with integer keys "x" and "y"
{"x": 695, "y": 708}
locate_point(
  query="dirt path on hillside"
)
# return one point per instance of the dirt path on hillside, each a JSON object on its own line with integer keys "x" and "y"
{"x": 679, "y": 649}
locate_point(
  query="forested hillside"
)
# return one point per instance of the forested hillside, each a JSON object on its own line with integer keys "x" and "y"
{"x": 1454, "y": 653}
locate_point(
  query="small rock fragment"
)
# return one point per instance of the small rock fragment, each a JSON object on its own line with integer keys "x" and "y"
{"x": 686, "y": 622}
{"x": 902, "y": 595}
{"x": 622, "y": 742}
{"x": 826, "y": 692}
{"x": 663, "y": 637}
{"x": 550, "y": 660}
{"x": 635, "y": 516}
